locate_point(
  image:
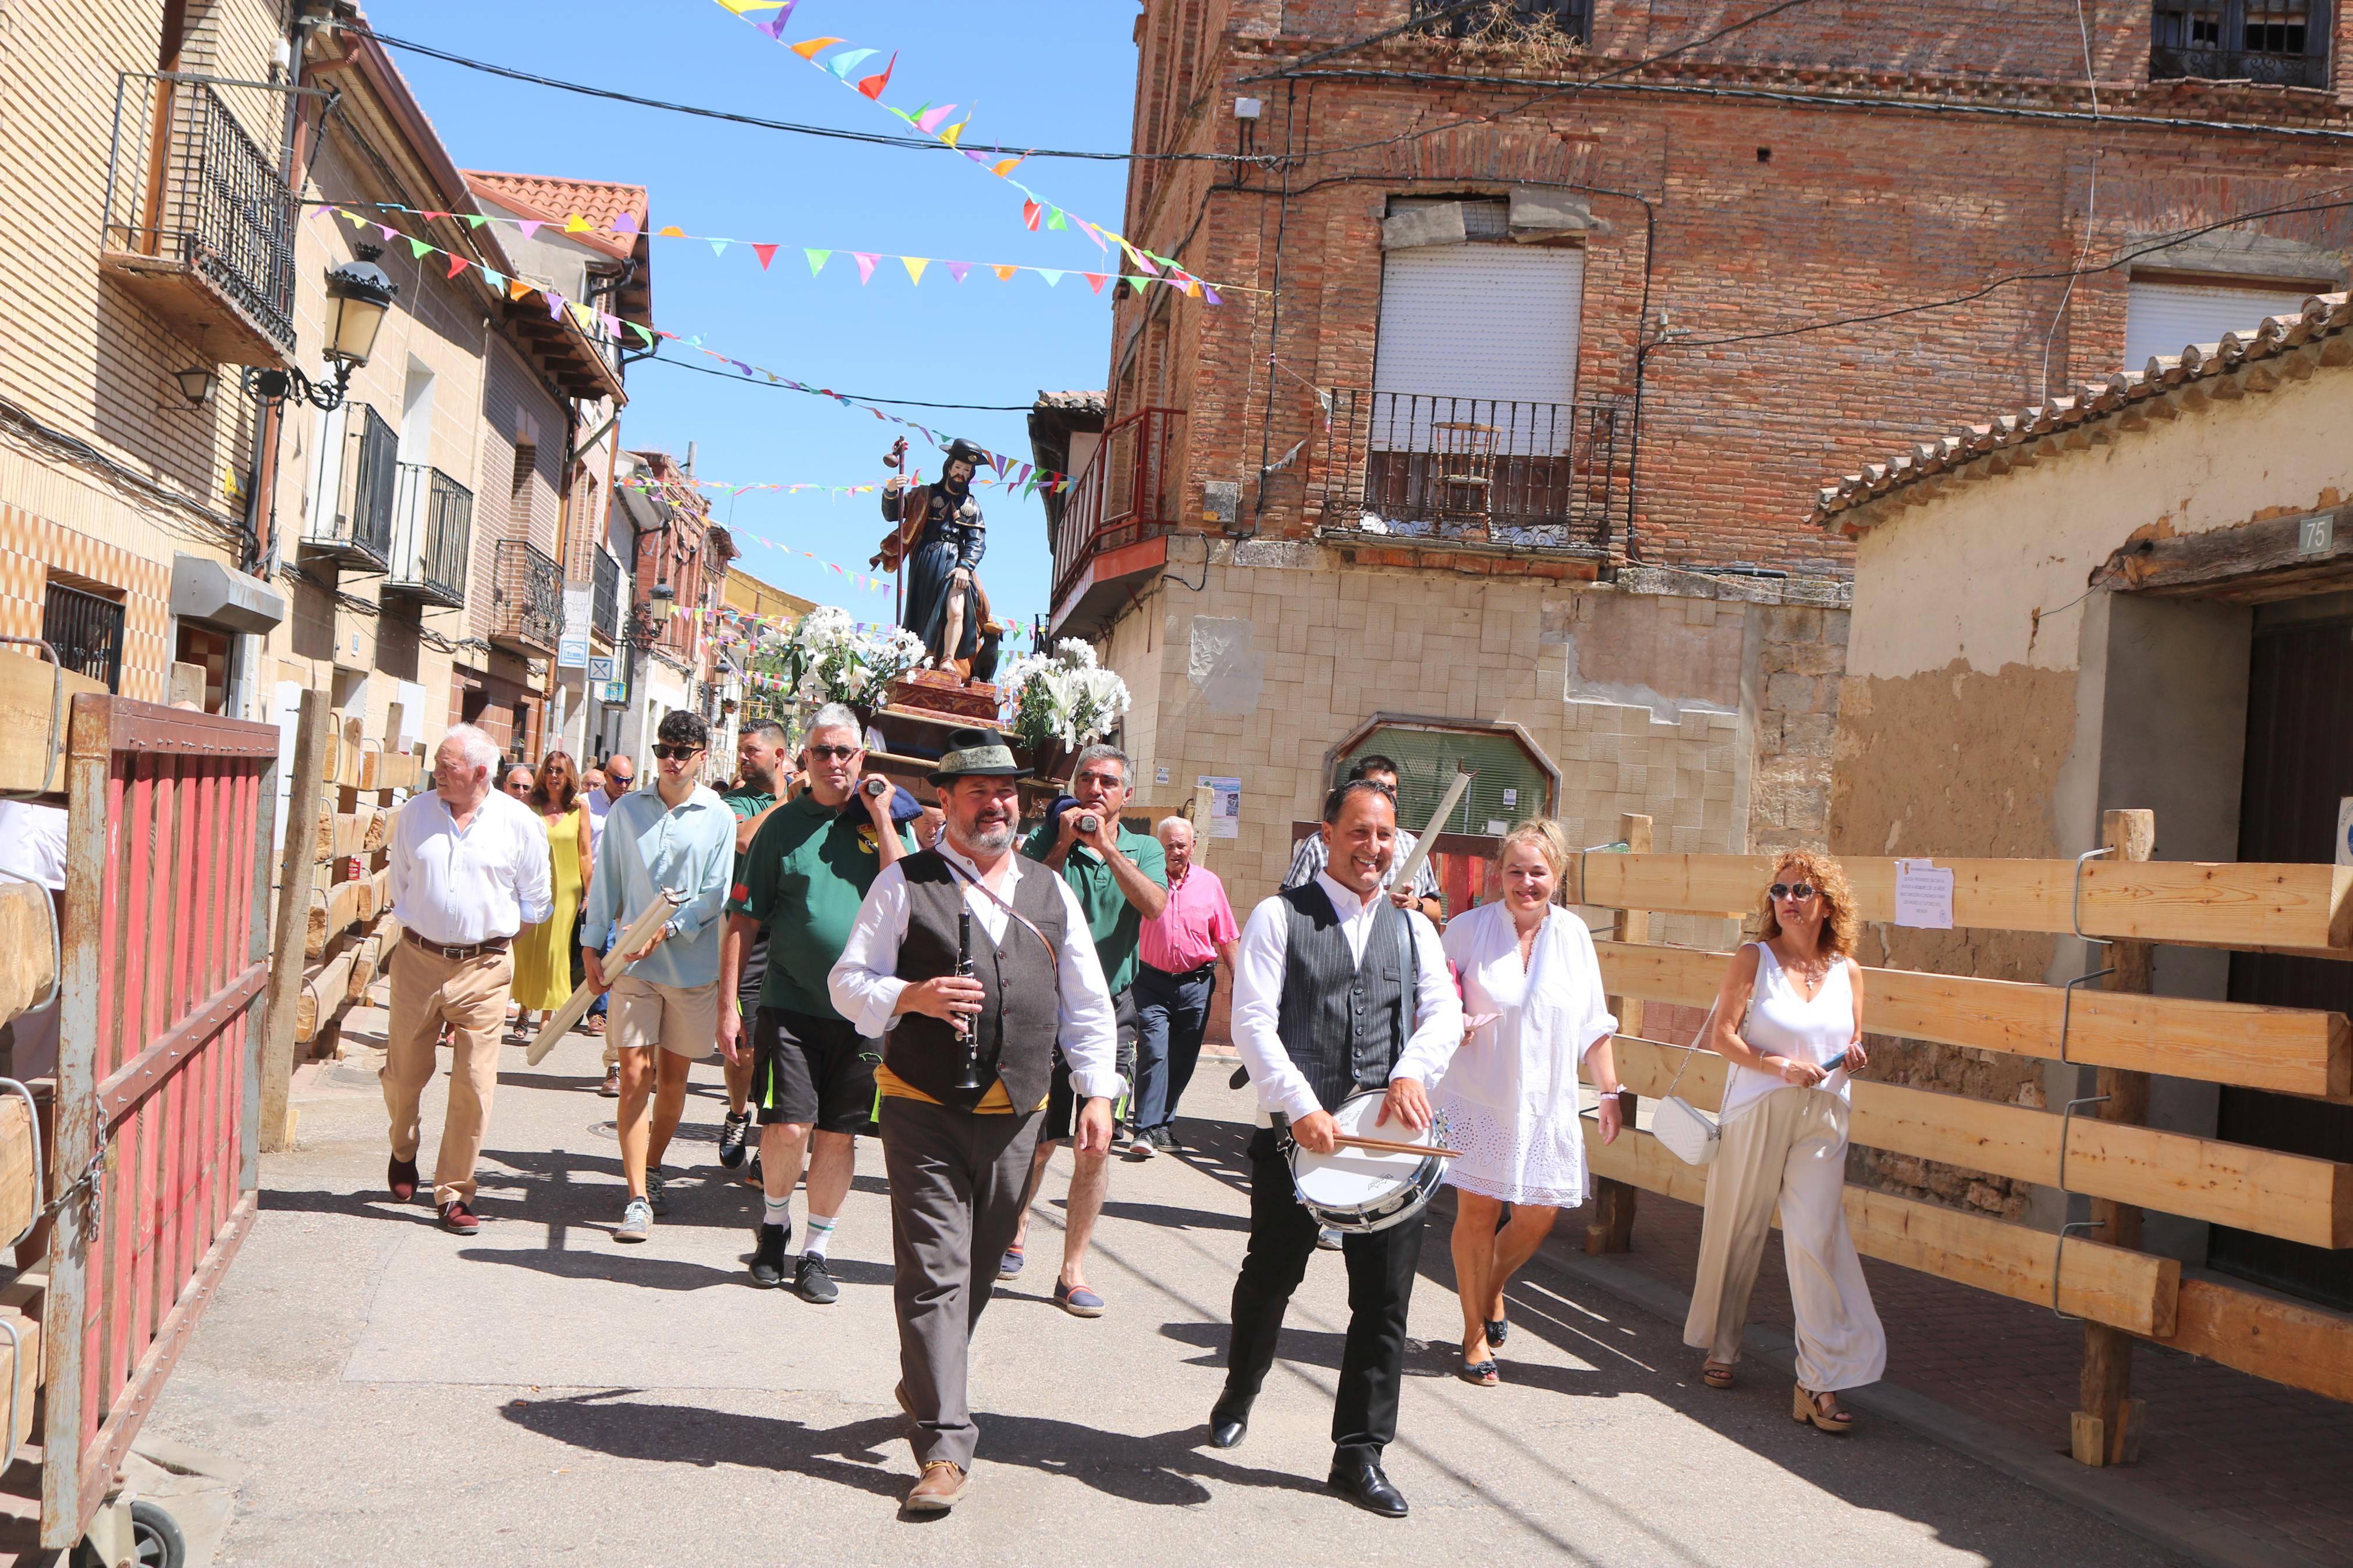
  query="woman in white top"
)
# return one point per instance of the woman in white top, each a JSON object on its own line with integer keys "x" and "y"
{"x": 1789, "y": 1020}
{"x": 1509, "y": 1101}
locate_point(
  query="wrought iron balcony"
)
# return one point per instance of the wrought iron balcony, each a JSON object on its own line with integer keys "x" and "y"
{"x": 1473, "y": 470}
{"x": 2267, "y": 66}
{"x": 433, "y": 530}
{"x": 605, "y": 602}
{"x": 199, "y": 224}
{"x": 527, "y": 599}
{"x": 1126, "y": 494}
{"x": 351, "y": 517}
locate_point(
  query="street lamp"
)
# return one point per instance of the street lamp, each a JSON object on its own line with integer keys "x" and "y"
{"x": 196, "y": 384}
{"x": 358, "y": 295}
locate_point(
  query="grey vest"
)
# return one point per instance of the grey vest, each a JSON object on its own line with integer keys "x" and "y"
{"x": 1022, "y": 1011}
{"x": 1343, "y": 1024}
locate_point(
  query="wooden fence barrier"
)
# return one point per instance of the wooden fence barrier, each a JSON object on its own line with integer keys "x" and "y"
{"x": 2122, "y": 1166}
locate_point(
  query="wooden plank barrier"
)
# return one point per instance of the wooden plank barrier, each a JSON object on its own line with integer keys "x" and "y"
{"x": 2126, "y": 1290}
{"x": 28, "y": 701}
{"x": 29, "y": 947}
{"x": 2186, "y": 902}
{"x": 2285, "y": 1049}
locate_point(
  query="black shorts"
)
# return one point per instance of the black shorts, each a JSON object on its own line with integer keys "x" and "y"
{"x": 807, "y": 1070}
{"x": 754, "y": 975}
{"x": 1062, "y": 1101}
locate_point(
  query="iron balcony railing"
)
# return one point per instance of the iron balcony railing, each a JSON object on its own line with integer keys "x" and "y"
{"x": 1540, "y": 476}
{"x": 2267, "y": 66}
{"x": 433, "y": 530}
{"x": 2276, "y": 43}
{"x": 605, "y": 600}
{"x": 1128, "y": 492}
{"x": 185, "y": 182}
{"x": 86, "y": 630}
{"x": 528, "y": 598}
{"x": 352, "y": 518}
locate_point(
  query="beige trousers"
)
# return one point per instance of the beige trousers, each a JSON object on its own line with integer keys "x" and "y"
{"x": 470, "y": 996}
{"x": 1789, "y": 1149}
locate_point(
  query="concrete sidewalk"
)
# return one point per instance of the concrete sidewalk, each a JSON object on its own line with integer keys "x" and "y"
{"x": 538, "y": 1394}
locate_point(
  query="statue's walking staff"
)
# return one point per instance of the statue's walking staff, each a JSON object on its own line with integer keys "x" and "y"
{"x": 896, "y": 460}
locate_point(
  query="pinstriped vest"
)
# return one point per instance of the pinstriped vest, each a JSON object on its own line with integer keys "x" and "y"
{"x": 1343, "y": 1024}
{"x": 1020, "y": 1016}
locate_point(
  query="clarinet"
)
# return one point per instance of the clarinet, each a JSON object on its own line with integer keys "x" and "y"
{"x": 965, "y": 1029}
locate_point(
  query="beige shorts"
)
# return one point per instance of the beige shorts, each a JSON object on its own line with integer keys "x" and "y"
{"x": 681, "y": 1019}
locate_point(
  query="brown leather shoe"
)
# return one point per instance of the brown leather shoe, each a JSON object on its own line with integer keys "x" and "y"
{"x": 400, "y": 1175}
{"x": 941, "y": 1489}
{"x": 456, "y": 1216}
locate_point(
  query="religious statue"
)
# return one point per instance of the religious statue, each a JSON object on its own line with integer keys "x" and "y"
{"x": 940, "y": 537}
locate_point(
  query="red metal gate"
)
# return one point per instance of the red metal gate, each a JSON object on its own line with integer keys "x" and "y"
{"x": 167, "y": 894}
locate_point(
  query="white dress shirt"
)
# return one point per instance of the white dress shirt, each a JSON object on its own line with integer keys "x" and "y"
{"x": 865, "y": 987}
{"x": 1258, "y": 996}
{"x": 460, "y": 887}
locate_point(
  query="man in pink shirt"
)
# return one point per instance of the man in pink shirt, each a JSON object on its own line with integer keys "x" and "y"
{"x": 1179, "y": 949}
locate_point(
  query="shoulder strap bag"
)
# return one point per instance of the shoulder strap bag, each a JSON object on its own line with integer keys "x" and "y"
{"x": 1689, "y": 1133}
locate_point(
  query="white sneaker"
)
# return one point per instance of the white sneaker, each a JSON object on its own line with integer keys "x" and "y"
{"x": 637, "y": 1221}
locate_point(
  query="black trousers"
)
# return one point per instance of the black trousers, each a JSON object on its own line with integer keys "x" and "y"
{"x": 1380, "y": 1288}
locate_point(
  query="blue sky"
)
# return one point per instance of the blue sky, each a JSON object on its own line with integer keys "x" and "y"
{"x": 1050, "y": 73}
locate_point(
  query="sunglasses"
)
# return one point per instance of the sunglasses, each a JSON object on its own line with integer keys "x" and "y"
{"x": 834, "y": 753}
{"x": 674, "y": 754}
{"x": 1780, "y": 890}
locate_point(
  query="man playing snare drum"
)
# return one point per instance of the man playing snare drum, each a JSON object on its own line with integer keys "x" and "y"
{"x": 1335, "y": 990}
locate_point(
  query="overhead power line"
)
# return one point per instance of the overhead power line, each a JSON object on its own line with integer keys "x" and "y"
{"x": 894, "y": 402}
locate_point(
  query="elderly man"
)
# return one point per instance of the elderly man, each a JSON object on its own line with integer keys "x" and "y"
{"x": 966, "y": 1062}
{"x": 470, "y": 868}
{"x": 1175, "y": 975}
{"x": 518, "y": 781}
{"x": 678, "y": 836}
{"x": 799, "y": 891}
{"x": 1120, "y": 882}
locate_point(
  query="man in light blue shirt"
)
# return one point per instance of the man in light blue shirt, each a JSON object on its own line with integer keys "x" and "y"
{"x": 679, "y": 837}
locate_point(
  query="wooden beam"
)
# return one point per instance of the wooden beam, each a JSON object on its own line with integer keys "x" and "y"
{"x": 28, "y": 699}
{"x": 2107, "y": 1284}
{"x": 1611, "y": 1228}
{"x": 326, "y": 991}
{"x": 2285, "y": 1341}
{"x": 333, "y": 912}
{"x": 2285, "y": 1049}
{"x": 291, "y": 940}
{"x": 2101, "y": 1431}
{"x": 2237, "y": 557}
{"x": 2187, "y": 903}
{"x": 28, "y": 949}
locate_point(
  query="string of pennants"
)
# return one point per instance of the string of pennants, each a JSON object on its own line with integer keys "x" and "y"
{"x": 1010, "y": 471}
{"x": 934, "y": 122}
{"x": 625, "y": 225}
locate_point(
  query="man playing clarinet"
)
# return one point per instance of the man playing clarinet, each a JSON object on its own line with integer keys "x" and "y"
{"x": 967, "y": 1067}
{"x": 1335, "y": 990}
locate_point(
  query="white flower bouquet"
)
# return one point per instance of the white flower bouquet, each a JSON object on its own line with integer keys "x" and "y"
{"x": 1064, "y": 698}
{"x": 827, "y": 657}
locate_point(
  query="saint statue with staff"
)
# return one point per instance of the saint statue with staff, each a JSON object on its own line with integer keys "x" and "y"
{"x": 939, "y": 539}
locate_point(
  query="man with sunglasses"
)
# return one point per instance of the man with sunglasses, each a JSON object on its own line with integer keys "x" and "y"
{"x": 812, "y": 1077}
{"x": 762, "y": 759}
{"x": 665, "y": 1010}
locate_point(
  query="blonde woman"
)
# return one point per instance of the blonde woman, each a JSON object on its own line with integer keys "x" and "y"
{"x": 1789, "y": 1020}
{"x": 1510, "y": 1098}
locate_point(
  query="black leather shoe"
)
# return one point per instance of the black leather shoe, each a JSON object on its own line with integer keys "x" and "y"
{"x": 1363, "y": 1483}
{"x": 1228, "y": 1423}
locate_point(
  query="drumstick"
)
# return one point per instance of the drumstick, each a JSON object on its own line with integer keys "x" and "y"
{"x": 1389, "y": 1146}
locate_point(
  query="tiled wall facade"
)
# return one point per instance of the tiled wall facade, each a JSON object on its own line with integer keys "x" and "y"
{"x": 34, "y": 548}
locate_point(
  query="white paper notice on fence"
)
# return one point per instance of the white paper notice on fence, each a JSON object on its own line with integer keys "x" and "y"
{"x": 1924, "y": 895}
{"x": 1225, "y": 806}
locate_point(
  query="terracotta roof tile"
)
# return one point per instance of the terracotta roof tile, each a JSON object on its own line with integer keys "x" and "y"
{"x": 555, "y": 201}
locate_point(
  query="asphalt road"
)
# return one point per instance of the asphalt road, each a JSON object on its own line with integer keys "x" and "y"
{"x": 539, "y": 1393}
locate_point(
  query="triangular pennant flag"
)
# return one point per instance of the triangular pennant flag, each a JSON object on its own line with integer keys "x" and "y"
{"x": 865, "y": 265}
{"x": 574, "y": 223}
{"x": 358, "y": 221}
{"x": 816, "y": 260}
{"x": 915, "y": 265}
{"x": 766, "y": 253}
{"x": 1005, "y": 168}
{"x": 1138, "y": 281}
{"x": 641, "y": 331}
{"x": 1211, "y": 295}
{"x": 626, "y": 223}
{"x": 848, "y": 61}
{"x": 1096, "y": 280}
{"x": 718, "y": 247}
{"x": 555, "y": 303}
{"x": 457, "y": 264}
{"x": 390, "y": 232}
{"x": 1052, "y": 274}
{"x": 474, "y": 220}
{"x": 517, "y": 288}
{"x": 1137, "y": 256}
{"x": 775, "y": 25}
{"x": 809, "y": 48}
{"x": 956, "y": 269}
{"x": 435, "y": 217}
{"x": 740, "y": 6}
{"x": 1029, "y": 211}
{"x": 610, "y": 323}
{"x": 322, "y": 210}
{"x": 672, "y": 231}
{"x": 954, "y": 132}
{"x": 1092, "y": 232}
{"x": 418, "y": 247}
{"x": 583, "y": 314}
{"x": 1191, "y": 286}
{"x": 929, "y": 121}
{"x": 495, "y": 280}
{"x": 529, "y": 225}
{"x": 1002, "y": 270}
{"x": 1056, "y": 218}
{"x": 873, "y": 85}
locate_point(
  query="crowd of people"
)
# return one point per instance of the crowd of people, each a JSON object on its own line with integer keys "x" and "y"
{"x": 867, "y": 965}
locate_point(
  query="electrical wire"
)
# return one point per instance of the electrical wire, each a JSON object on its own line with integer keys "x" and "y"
{"x": 873, "y": 138}
{"x": 894, "y": 402}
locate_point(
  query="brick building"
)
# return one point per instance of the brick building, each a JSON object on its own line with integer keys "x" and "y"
{"x": 661, "y": 524}
{"x": 1499, "y": 447}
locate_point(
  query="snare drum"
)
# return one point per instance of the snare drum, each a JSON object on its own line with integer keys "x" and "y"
{"x": 1359, "y": 1190}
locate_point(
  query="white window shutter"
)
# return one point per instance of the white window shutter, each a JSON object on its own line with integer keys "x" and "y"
{"x": 1481, "y": 321}
{"x": 2160, "y": 319}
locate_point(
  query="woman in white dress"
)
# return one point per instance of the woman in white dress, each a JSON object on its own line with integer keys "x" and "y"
{"x": 1509, "y": 1099}
{"x": 1788, "y": 1023}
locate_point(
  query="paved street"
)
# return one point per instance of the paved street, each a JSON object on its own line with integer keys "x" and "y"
{"x": 540, "y": 1393}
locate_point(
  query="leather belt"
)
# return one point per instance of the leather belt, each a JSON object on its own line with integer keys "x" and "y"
{"x": 458, "y": 951}
{"x": 1181, "y": 973}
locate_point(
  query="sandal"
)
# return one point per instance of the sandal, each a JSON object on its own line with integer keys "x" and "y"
{"x": 1482, "y": 1372}
{"x": 1715, "y": 1374}
{"x": 1830, "y": 1416}
{"x": 1498, "y": 1330}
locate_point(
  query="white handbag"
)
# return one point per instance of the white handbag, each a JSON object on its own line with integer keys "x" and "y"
{"x": 1689, "y": 1133}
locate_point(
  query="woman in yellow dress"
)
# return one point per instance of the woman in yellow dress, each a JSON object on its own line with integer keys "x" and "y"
{"x": 542, "y": 972}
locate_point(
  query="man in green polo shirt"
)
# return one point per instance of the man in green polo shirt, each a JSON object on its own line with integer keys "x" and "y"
{"x": 1121, "y": 880}
{"x": 763, "y": 756}
{"x": 804, "y": 878}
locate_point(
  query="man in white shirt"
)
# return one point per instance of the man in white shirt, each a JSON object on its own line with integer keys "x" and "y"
{"x": 968, "y": 1063}
{"x": 470, "y": 868}
{"x": 1336, "y": 991}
